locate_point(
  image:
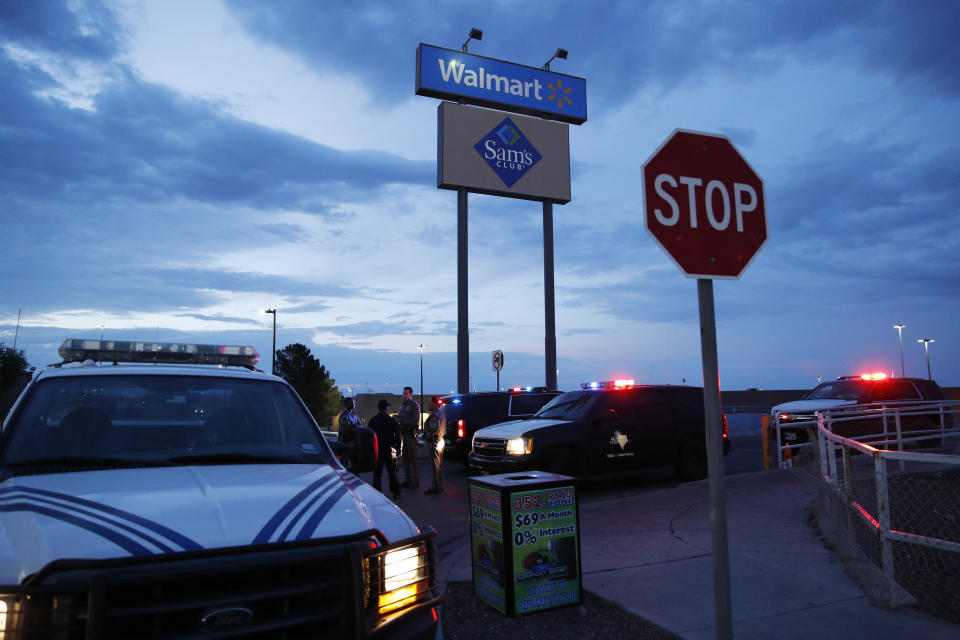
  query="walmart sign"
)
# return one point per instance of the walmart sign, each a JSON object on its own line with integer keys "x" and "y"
{"x": 453, "y": 75}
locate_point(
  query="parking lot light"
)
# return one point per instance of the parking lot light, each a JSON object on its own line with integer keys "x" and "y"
{"x": 900, "y": 328}
{"x": 273, "y": 354}
{"x": 926, "y": 347}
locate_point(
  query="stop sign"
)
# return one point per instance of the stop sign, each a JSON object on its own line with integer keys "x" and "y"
{"x": 703, "y": 204}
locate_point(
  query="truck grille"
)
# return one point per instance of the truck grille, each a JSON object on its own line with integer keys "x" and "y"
{"x": 490, "y": 448}
{"x": 301, "y": 590}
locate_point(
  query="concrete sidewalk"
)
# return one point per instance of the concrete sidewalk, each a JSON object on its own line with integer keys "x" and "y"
{"x": 651, "y": 554}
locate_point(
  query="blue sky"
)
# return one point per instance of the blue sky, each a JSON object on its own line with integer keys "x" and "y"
{"x": 171, "y": 169}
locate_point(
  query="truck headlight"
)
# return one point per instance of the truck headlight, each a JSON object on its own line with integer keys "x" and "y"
{"x": 519, "y": 446}
{"x": 8, "y": 615}
{"x": 405, "y": 578}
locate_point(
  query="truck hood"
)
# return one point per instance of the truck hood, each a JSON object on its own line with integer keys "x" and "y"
{"x": 133, "y": 512}
{"x": 516, "y": 428}
{"x": 811, "y": 406}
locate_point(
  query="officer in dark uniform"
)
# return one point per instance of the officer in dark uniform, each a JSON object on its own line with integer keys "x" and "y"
{"x": 409, "y": 416}
{"x": 388, "y": 437}
{"x": 433, "y": 432}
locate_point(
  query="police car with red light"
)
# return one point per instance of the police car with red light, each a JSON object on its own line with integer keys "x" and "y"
{"x": 606, "y": 427}
{"x": 859, "y": 401}
{"x": 463, "y": 413}
{"x": 158, "y": 490}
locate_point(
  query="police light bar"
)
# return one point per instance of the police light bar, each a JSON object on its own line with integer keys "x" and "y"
{"x": 522, "y": 389}
{"x": 865, "y": 376}
{"x": 75, "y": 350}
{"x": 622, "y": 383}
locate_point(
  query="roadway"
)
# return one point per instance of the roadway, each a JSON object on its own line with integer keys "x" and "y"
{"x": 449, "y": 513}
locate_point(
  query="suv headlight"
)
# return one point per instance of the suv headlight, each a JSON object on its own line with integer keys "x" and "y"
{"x": 519, "y": 446}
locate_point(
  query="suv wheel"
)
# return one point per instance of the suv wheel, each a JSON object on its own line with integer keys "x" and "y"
{"x": 691, "y": 463}
{"x": 562, "y": 463}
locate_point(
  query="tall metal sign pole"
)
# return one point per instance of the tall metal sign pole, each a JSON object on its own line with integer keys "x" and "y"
{"x": 549, "y": 308}
{"x": 463, "y": 326}
{"x": 487, "y": 151}
{"x": 704, "y": 205}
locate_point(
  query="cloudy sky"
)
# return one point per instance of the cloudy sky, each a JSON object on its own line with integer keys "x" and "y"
{"x": 170, "y": 169}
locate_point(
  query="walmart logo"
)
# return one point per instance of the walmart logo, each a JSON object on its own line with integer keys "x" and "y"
{"x": 559, "y": 93}
{"x": 508, "y": 152}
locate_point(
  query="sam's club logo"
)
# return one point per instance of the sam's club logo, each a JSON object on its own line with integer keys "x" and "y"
{"x": 508, "y": 152}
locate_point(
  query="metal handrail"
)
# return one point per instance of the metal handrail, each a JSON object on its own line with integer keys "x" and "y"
{"x": 897, "y": 410}
{"x": 828, "y": 442}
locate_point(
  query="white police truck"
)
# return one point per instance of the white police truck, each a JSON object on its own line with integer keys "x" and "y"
{"x": 157, "y": 490}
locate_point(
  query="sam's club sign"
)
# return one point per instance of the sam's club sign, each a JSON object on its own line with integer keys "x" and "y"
{"x": 486, "y": 82}
{"x": 490, "y": 152}
{"x": 508, "y": 152}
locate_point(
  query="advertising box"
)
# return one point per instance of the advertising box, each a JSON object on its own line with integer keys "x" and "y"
{"x": 525, "y": 541}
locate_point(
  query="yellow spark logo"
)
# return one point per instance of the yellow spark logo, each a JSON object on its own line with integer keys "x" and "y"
{"x": 557, "y": 93}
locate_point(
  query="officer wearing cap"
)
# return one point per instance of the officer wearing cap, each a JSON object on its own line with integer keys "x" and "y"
{"x": 388, "y": 437}
{"x": 409, "y": 427}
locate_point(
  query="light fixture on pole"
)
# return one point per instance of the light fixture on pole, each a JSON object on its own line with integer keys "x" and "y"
{"x": 559, "y": 53}
{"x": 273, "y": 353}
{"x": 421, "y": 347}
{"x": 900, "y": 328}
{"x": 17, "y": 333}
{"x": 102, "y": 327}
{"x": 475, "y": 34}
{"x": 926, "y": 347}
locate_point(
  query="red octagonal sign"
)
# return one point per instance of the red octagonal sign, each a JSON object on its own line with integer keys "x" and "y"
{"x": 703, "y": 204}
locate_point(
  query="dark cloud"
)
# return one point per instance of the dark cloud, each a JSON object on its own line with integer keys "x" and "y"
{"x": 113, "y": 283}
{"x": 285, "y": 232}
{"x": 880, "y": 212}
{"x": 216, "y": 318}
{"x": 631, "y": 46}
{"x": 661, "y": 296}
{"x": 251, "y": 282}
{"x": 372, "y": 328}
{"x": 91, "y": 32}
{"x": 148, "y": 144}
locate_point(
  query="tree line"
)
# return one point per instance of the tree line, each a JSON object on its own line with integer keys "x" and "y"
{"x": 310, "y": 380}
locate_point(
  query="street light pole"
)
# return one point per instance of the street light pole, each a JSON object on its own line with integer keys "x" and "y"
{"x": 421, "y": 347}
{"x": 900, "y": 328}
{"x": 273, "y": 353}
{"x": 926, "y": 347}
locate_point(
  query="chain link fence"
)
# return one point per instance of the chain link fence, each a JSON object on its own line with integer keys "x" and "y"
{"x": 890, "y": 506}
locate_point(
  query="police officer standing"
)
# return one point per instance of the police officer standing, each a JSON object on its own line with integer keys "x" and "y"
{"x": 433, "y": 432}
{"x": 388, "y": 437}
{"x": 347, "y": 423}
{"x": 409, "y": 416}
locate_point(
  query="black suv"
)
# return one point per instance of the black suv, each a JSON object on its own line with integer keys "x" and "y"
{"x": 464, "y": 413}
{"x": 602, "y": 429}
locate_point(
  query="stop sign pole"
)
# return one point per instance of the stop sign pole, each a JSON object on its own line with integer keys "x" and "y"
{"x": 704, "y": 206}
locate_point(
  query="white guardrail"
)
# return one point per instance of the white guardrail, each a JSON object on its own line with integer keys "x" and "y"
{"x": 897, "y": 423}
{"x": 840, "y": 465}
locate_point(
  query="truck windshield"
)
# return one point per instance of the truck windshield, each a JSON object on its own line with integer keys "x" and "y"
{"x": 160, "y": 419}
{"x": 839, "y": 390}
{"x": 568, "y": 406}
